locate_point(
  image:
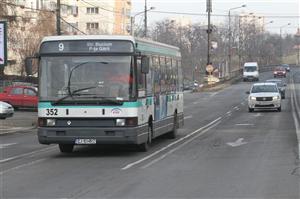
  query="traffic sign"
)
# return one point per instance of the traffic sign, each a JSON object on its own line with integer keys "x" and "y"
{"x": 209, "y": 68}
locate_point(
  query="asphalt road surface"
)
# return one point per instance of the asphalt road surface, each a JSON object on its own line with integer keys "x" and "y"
{"x": 222, "y": 152}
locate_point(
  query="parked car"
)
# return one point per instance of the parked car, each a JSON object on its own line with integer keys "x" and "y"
{"x": 281, "y": 86}
{"x": 279, "y": 72}
{"x": 6, "y": 110}
{"x": 264, "y": 96}
{"x": 286, "y": 67}
{"x": 20, "y": 96}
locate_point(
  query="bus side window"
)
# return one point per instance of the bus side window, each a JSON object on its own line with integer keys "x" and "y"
{"x": 141, "y": 78}
{"x": 162, "y": 63}
{"x": 156, "y": 74}
{"x": 149, "y": 79}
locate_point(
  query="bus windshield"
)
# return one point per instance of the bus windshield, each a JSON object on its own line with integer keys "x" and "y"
{"x": 96, "y": 76}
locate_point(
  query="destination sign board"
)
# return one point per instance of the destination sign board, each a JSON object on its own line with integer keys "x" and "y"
{"x": 86, "y": 46}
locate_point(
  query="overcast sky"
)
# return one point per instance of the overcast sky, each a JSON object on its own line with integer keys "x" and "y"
{"x": 272, "y": 9}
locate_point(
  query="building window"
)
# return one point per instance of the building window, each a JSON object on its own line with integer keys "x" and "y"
{"x": 92, "y": 10}
{"x": 90, "y": 26}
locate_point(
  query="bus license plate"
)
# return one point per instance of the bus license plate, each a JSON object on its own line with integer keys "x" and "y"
{"x": 85, "y": 141}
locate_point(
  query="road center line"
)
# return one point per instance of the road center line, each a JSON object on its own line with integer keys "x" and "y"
{"x": 128, "y": 166}
{"x": 180, "y": 146}
{"x": 188, "y": 117}
{"x": 244, "y": 124}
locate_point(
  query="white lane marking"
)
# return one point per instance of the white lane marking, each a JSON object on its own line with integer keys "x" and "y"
{"x": 236, "y": 108}
{"x": 6, "y": 145}
{"x": 22, "y": 165}
{"x": 244, "y": 124}
{"x": 243, "y": 103}
{"x": 28, "y": 154}
{"x": 180, "y": 146}
{"x": 238, "y": 142}
{"x": 214, "y": 94}
{"x": 169, "y": 145}
{"x": 229, "y": 112}
{"x": 188, "y": 117}
{"x": 257, "y": 115}
{"x": 196, "y": 102}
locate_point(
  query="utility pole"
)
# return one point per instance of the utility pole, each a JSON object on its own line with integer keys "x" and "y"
{"x": 58, "y": 28}
{"x": 145, "y": 21}
{"x": 209, "y": 30}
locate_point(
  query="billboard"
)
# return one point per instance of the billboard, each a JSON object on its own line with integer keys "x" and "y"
{"x": 3, "y": 44}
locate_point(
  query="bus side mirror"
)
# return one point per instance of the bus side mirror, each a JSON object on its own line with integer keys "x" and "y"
{"x": 29, "y": 64}
{"x": 145, "y": 64}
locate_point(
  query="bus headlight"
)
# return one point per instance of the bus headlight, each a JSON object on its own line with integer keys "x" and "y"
{"x": 120, "y": 122}
{"x": 51, "y": 122}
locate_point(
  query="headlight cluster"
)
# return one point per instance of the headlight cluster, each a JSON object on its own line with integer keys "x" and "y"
{"x": 252, "y": 98}
{"x": 127, "y": 122}
{"x": 42, "y": 122}
{"x": 276, "y": 98}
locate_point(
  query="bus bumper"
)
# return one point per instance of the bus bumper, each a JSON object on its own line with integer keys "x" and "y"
{"x": 118, "y": 135}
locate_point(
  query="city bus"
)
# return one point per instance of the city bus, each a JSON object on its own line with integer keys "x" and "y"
{"x": 96, "y": 90}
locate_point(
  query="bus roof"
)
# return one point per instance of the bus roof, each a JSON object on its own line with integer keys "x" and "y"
{"x": 141, "y": 44}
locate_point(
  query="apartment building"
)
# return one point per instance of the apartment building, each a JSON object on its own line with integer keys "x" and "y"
{"x": 122, "y": 17}
{"x": 96, "y": 17}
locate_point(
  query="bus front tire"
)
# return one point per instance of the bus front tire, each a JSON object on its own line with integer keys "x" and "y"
{"x": 66, "y": 148}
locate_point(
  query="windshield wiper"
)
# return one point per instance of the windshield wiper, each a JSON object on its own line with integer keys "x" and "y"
{"x": 75, "y": 92}
{"x": 88, "y": 95}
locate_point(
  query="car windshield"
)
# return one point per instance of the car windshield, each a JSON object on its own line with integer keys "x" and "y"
{"x": 106, "y": 76}
{"x": 264, "y": 89}
{"x": 250, "y": 68}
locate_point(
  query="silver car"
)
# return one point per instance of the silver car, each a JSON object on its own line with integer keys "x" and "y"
{"x": 6, "y": 110}
{"x": 264, "y": 96}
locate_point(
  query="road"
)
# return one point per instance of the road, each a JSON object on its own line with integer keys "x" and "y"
{"x": 222, "y": 152}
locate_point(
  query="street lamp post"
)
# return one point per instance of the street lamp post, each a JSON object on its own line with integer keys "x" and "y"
{"x": 58, "y": 27}
{"x": 132, "y": 19}
{"x": 281, "y": 54}
{"x": 229, "y": 35}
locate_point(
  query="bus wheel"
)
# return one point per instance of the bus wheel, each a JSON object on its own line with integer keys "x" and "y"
{"x": 145, "y": 146}
{"x": 66, "y": 148}
{"x": 173, "y": 133}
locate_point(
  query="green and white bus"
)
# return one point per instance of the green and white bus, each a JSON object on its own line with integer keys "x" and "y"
{"x": 108, "y": 90}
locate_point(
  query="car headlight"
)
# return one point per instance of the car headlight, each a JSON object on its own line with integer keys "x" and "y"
{"x": 120, "y": 122}
{"x": 51, "y": 122}
{"x": 252, "y": 98}
{"x": 276, "y": 98}
{"x": 275, "y": 72}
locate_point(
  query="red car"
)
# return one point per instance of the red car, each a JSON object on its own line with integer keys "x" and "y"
{"x": 279, "y": 72}
{"x": 20, "y": 96}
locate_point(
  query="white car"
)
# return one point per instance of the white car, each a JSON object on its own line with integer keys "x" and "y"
{"x": 6, "y": 110}
{"x": 264, "y": 96}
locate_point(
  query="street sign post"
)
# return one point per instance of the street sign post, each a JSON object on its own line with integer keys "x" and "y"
{"x": 3, "y": 44}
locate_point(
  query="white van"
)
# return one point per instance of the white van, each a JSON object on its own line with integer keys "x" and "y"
{"x": 251, "y": 71}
